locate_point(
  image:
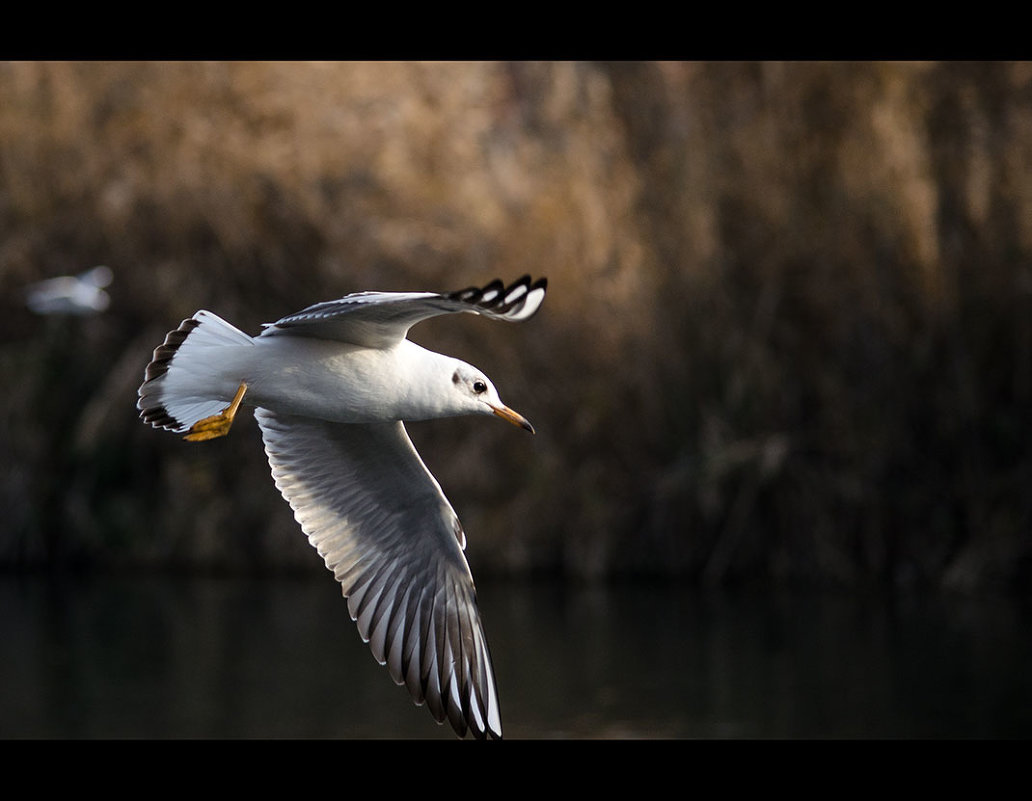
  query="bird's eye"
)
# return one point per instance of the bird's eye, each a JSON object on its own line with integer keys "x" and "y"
{"x": 479, "y": 386}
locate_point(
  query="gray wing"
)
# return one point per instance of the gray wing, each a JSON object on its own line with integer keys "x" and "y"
{"x": 381, "y": 523}
{"x": 380, "y": 319}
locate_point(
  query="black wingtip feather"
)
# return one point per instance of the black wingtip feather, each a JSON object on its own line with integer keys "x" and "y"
{"x": 494, "y": 297}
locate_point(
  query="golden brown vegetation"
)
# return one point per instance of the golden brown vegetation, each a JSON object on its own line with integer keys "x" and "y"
{"x": 788, "y": 332}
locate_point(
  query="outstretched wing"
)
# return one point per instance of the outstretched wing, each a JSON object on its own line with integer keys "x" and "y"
{"x": 381, "y": 523}
{"x": 380, "y": 319}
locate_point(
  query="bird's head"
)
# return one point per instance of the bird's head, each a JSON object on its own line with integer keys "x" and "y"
{"x": 478, "y": 395}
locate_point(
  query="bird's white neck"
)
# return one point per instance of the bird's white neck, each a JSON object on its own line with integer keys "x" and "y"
{"x": 423, "y": 385}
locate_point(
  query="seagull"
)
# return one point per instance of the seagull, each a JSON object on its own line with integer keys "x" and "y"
{"x": 81, "y": 294}
{"x": 332, "y": 386}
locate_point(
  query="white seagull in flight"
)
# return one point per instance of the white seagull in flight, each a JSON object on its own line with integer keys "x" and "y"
{"x": 81, "y": 294}
{"x": 331, "y": 386}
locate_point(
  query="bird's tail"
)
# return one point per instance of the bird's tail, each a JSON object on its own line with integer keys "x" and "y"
{"x": 186, "y": 379}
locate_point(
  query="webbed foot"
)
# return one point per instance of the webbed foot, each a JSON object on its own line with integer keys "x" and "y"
{"x": 218, "y": 424}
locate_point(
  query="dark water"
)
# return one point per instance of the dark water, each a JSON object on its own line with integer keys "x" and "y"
{"x": 218, "y": 658}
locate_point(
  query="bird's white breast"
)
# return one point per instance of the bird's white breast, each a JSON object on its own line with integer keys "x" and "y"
{"x": 337, "y": 381}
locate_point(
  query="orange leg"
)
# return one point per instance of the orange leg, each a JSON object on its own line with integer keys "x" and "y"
{"x": 218, "y": 424}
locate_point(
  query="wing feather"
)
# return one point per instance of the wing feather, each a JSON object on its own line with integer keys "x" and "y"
{"x": 383, "y": 527}
{"x": 381, "y": 319}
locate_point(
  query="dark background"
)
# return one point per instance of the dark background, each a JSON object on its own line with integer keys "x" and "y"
{"x": 788, "y": 335}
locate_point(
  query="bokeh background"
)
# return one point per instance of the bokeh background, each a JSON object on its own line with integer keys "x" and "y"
{"x": 788, "y": 335}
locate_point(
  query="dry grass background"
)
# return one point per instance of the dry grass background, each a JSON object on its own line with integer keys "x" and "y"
{"x": 788, "y": 333}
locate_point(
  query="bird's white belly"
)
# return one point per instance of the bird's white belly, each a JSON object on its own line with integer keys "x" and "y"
{"x": 323, "y": 379}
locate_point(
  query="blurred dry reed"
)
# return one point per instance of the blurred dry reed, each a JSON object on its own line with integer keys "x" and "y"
{"x": 788, "y": 335}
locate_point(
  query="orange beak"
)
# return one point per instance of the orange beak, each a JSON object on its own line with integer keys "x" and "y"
{"x": 510, "y": 416}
